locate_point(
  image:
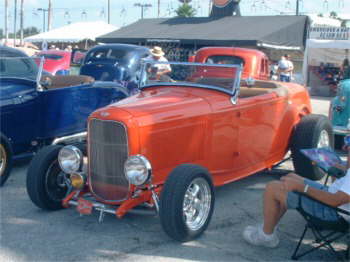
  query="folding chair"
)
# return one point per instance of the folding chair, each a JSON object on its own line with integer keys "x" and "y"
{"x": 324, "y": 232}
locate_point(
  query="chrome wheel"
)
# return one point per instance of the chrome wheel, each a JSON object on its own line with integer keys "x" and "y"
{"x": 323, "y": 140}
{"x": 196, "y": 205}
{"x": 3, "y": 159}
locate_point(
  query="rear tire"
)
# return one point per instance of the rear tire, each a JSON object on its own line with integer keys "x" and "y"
{"x": 311, "y": 132}
{"x": 45, "y": 179}
{"x": 187, "y": 202}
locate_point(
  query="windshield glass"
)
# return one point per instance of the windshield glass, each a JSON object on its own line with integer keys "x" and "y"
{"x": 51, "y": 56}
{"x": 225, "y": 59}
{"x": 214, "y": 76}
{"x": 18, "y": 67}
{"x": 110, "y": 55}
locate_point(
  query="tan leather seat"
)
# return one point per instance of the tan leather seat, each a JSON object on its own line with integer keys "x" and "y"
{"x": 65, "y": 81}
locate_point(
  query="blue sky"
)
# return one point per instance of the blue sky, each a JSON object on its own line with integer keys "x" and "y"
{"x": 123, "y": 12}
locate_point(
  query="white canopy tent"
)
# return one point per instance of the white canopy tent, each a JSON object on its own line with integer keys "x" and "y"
{"x": 324, "y": 51}
{"x": 74, "y": 33}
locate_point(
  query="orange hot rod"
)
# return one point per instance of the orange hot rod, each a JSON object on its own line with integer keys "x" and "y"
{"x": 165, "y": 148}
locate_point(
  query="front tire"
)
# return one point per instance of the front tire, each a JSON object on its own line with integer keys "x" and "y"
{"x": 46, "y": 185}
{"x": 5, "y": 160}
{"x": 187, "y": 202}
{"x": 313, "y": 131}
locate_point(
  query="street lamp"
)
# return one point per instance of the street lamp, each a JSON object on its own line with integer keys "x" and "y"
{"x": 142, "y": 6}
{"x": 43, "y": 10}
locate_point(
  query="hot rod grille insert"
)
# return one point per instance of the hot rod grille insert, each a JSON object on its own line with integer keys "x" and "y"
{"x": 108, "y": 150}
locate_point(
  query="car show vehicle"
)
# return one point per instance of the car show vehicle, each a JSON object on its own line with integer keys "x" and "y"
{"x": 165, "y": 148}
{"x": 37, "y": 109}
{"x": 339, "y": 113}
{"x": 57, "y": 62}
{"x": 255, "y": 63}
{"x": 115, "y": 62}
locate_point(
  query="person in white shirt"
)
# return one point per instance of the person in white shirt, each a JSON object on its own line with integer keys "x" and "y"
{"x": 285, "y": 69}
{"x": 159, "y": 70}
{"x": 280, "y": 196}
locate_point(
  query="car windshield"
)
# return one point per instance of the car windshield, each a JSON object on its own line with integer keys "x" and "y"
{"x": 51, "y": 56}
{"x": 224, "y": 78}
{"x": 110, "y": 55}
{"x": 18, "y": 67}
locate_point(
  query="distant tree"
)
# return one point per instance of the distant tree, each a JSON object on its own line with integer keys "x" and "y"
{"x": 343, "y": 23}
{"x": 29, "y": 31}
{"x": 320, "y": 15}
{"x": 185, "y": 10}
{"x": 1, "y": 33}
{"x": 333, "y": 15}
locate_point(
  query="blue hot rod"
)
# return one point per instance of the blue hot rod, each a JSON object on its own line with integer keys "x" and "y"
{"x": 39, "y": 109}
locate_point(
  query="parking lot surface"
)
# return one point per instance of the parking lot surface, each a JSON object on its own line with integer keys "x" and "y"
{"x": 31, "y": 234}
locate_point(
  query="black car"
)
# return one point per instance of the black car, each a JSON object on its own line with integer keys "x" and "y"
{"x": 115, "y": 62}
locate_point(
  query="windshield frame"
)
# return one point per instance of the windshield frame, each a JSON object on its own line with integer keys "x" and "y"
{"x": 236, "y": 82}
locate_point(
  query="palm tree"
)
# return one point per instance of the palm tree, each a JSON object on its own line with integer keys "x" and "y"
{"x": 185, "y": 10}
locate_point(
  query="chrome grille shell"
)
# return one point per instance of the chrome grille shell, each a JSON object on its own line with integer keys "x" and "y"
{"x": 107, "y": 152}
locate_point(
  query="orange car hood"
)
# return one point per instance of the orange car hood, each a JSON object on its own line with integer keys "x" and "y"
{"x": 164, "y": 101}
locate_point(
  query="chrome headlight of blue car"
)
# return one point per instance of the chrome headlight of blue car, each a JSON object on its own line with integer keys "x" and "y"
{"x": 70, "y": 159}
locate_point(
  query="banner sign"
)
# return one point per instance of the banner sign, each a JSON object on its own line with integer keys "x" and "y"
{"x": 330, "y": 33}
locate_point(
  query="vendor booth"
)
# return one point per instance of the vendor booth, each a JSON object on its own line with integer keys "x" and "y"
{"x": 323, "y": 58}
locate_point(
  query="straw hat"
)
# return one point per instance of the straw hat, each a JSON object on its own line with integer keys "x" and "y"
{"x": 157, "y": 51}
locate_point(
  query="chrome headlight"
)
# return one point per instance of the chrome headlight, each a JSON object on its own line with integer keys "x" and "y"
{"x": 70, "y": 159}
{"x": 137, "y": 170}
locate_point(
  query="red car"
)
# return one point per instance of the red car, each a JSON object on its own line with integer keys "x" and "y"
{"x": 57, "y": 62}
{"x": 255, "y": 63}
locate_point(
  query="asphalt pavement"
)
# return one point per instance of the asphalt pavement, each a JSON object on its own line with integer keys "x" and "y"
{"x": 31, "y": 234}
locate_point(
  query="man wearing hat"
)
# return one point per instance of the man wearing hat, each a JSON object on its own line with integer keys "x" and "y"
{"x": 160, "y": 69}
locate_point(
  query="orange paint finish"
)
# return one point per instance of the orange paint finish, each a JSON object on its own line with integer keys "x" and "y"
{"x": 256, "y": 63}
{"x": 175, "y": 125}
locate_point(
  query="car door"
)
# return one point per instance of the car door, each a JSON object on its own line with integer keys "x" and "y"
{"x": 19, "y": 113}
{"x": 19, "y": 104}
{"x": 260, "y": 117}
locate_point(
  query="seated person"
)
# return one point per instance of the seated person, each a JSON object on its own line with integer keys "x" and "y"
{"x": 280, "y": 196}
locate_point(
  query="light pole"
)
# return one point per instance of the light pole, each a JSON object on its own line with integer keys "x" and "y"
{"x": 142, "y": 6}
{"x": 109, "y": 11}
{"x": 43, "y": 10}
{"x": 6, "y": 21}
{"x": 15, "y": 25}
{"x": 297, "y": 7}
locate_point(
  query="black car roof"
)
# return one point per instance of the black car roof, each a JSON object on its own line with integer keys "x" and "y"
{"x": 125, "y": 47}
{"x": 6, "y": 51}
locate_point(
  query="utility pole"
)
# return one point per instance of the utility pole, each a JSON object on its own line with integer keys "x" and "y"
{"x": 49, "y": 16}
{"x": 15, "y": 25}
{"x": 21, "y": 21}
{"x": 6, "y": 21}
{"x": 109, "y": 11}
{"x": 297, "y": 8}
{"x": 142, "y": 6}
{"x": 158, "y": 8}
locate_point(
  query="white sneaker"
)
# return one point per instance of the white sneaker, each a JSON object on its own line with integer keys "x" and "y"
{"x": 255, "y": 235}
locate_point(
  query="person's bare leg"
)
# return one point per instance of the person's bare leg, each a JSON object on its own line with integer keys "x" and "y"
{"x": 296, "y": 177}
{"x": 275, "y": 197}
